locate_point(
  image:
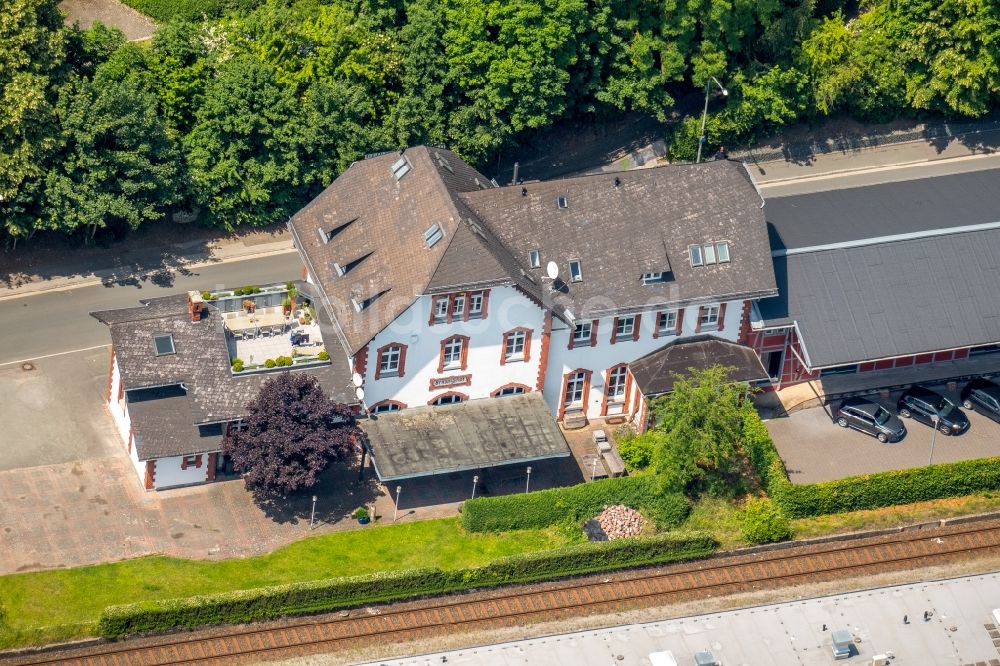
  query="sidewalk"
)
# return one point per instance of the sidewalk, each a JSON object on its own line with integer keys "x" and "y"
{"x": 141, "y": 257}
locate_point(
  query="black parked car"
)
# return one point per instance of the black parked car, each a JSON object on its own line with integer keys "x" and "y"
{"x": 983, "y": 396}
{"x": 924, "y": 404}
{"x": 871, "y": 418}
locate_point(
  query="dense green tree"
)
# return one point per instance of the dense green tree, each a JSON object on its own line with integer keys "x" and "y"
{"x": 116, "y": 165}
{"x": 32, "y": 65}
{"x": 510, "y": 60}
{"x": 88, "y": 49}
{"x": 179, "y": 57}
{"x": 699, "y": 430}
{"x": 244, "y": 151}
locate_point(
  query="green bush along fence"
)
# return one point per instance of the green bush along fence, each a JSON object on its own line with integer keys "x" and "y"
{"x": 575, "y": 503}
{"x": 325, "y": 595}
{"x": 869, "y": 491}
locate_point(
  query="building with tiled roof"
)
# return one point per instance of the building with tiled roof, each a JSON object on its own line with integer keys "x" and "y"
{"x": 441, "y": 285}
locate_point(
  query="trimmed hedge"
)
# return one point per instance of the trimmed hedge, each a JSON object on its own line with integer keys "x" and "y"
{"x": 869, "y": 491}
{"x": 325, "y": 595}
{"x": 575, "y": 503}
{"x": 872, "y": 491}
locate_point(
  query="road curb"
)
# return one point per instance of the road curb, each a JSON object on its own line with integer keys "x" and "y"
{"x": 99, "y": 276}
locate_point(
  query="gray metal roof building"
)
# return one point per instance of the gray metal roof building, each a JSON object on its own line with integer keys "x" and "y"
{"x": 889, "y": 270}
{"x": 423, "y": 441}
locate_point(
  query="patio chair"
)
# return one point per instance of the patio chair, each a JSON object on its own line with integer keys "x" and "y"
{"x": 237, "y": 334}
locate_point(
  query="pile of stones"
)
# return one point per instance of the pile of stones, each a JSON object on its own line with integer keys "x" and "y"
{"x": 615, "y": 522}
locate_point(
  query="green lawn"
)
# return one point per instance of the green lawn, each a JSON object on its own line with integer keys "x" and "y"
{"x": 56, "y": 605}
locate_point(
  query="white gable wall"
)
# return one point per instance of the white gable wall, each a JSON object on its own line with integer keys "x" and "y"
{"x": 604, "y": 355}
{"x": 506, "y": 309}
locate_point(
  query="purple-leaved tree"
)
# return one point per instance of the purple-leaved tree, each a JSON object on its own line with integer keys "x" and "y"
{"x": 293, "y": 432}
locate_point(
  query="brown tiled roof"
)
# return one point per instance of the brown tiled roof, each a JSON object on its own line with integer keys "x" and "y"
{"x": 656, "y": 372}
{"x": 643, "y": 225}
{"x": 388, "y": 219}
{"x": 201, "y": 364}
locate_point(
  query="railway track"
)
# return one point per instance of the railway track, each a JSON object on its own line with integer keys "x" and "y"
{"x": 519, "y": 605}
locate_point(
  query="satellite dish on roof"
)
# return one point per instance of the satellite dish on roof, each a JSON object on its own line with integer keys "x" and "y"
{"x": 357, "y": 380}
{"x": 552, "y": 270}
{"x": 360, "y": 393}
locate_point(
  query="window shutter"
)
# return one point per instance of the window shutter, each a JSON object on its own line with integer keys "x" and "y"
{"x": 680, "y": 320}
{"x": 441, "y": 357}
{"x": 486, "y": 302}
{"x": 593, "y": 333}
{"x": 697, "y": 324}
{"x": 722, "y": 316}
{"x": 402, "y": 359}
{"x": 527, "y": 346}
{"x": 465, "y": 352}
{"x": 635, "y": 327}
{"x": 197, "y": 460}
{"x": 656, "y": 324}
{"x": 503, "y": 348}
{"x": 184, "y": 462}
{"x": 614, "y": 330}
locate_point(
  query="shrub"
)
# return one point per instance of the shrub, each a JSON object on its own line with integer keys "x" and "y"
{"x": 323, "y": 356}
{"x": 237, "y": 365}
{"x": 283, "y": 361}
{"x": 637, "y": 450}
{"x": 324, "y": 595}
{"x": 575, "y": 503}
{"x": 759, "y": 449}
{"x": 206, "y": 295}
{"x": 270, "y": 363}
{"x": 872, "y": 491}
{"x": 763, "y": 522}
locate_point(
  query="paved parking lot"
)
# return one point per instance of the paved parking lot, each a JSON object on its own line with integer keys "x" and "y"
{"x": 54, "y": 412}
{"x": 815, "y": 449}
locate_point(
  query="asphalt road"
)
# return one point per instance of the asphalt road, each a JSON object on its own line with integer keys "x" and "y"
{"x": 874, "y": 174}
{"x": 58, "y": 321}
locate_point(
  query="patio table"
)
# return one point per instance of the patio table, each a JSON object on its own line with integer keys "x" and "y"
{"x": 255, "y": 321}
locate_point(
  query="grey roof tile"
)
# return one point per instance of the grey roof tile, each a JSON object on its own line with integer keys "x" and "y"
{"x": 655, "y": 372}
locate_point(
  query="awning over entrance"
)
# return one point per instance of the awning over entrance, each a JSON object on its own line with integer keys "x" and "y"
{"x": 654, "y": 372}
{"x": 489, "y": 432}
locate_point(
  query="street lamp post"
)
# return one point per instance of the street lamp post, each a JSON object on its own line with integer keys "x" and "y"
{"x": 934, "y": 419}
{"x": 704, "y": 113}
{"x": 475, "y": 480}
{"x": 312, "y": 516}
{"x": 395, "y": 507}
{"x": 527, "y": 484}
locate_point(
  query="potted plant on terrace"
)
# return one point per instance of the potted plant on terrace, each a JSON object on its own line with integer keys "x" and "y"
{"x": 249, "y": 305}
{"x": 361, "y": 515}
{"x": 286, "y": 306}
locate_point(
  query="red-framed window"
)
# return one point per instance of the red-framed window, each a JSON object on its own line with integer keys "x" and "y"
{"x": 511, "y": 389}
{"x": 625, "y": 328}
{"x": 191, "y": 461}
{"x": 584, "y": 334}
{"x": 617, "y": 385}
{"x": 449, "y": 398}
{"x": 516, "y": 345}
{"x": 390, "y": 360}
{"x": 668, "y": 322}
{"x": 575, "y": 391}
{"x": 460, "y": 306}
{"x": 454, "y": 353}
{"x": 711, "y": 318}
{"x": 386, "y": 406}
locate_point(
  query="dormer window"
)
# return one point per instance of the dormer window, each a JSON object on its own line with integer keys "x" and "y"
{"x": 443, "y": 161}
{"x": 164, "y": 344}
{"x": 534, "y": 259}
{"x": 364, "y": 304}
{"x": 433, "y": 234}
{"x": 652, "y": 278}
{"x": 400, "y": 168}
{"x": 708, "y": 253}
{"x": 323, "y": 235}
{"x": 339, "y": 270}
{"x": 575, "y": 272}
{"x": 562, "y": 203}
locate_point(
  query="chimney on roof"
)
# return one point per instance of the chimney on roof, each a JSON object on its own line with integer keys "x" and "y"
{"x": 196, "y": 306}
{"x": 517, "y": 168}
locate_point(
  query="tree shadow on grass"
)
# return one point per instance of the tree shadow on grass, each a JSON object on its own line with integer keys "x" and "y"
{"x": 338, "y": 493}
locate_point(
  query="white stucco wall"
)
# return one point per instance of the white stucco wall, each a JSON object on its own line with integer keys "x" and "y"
{"x": 169, "y": 472}
{"x": 604, "y": 355}
{"x": 119, "y": 411}
{"x": 507, "y": 309}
